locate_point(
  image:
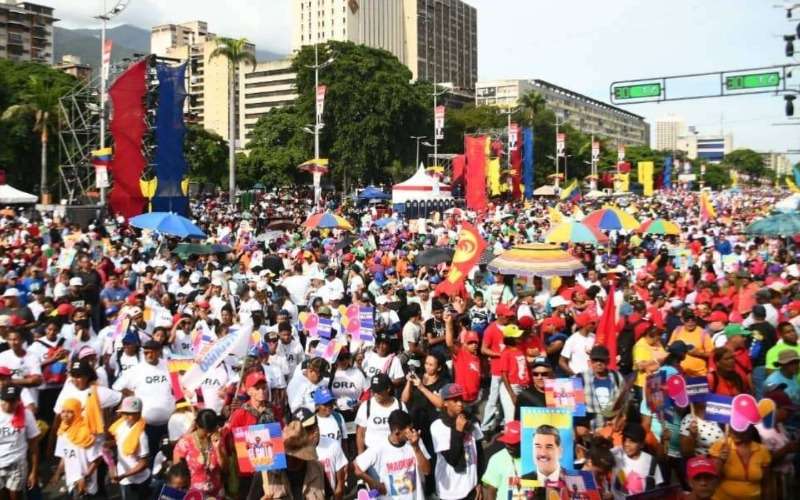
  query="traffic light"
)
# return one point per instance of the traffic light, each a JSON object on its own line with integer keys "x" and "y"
{"x": 789, "y": 45}
{"x": 789, "y": 104}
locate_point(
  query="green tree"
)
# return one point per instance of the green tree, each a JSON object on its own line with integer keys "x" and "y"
{"x": 237, "y": 53}
{"x": 747, "y": 161}
{"x": 205, "y": 153}
{"x": 530, "y": 105}
{"x": 277, "y": 147}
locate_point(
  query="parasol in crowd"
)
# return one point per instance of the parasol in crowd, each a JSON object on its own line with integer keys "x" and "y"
{"x": 168, "y": 223}
{"x": 327, "y": 220}
{"x": 659, "y": 226}
{"x": 184, "y": 249}
{"x": 536, "y": 259}
{"x": 784, "y": 225}
{"x": 434, "y": 256}
{"x": 611, "y": 219}
{"x": 575, "y": 232}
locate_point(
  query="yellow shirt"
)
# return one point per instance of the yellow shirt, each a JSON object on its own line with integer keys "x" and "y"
{"x": 740, "y": 482}
{"x": 693, "y": 366}
{"x": 642, "y": 351}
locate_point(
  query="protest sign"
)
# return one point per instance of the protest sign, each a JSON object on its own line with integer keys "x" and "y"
{"x": 566, "y": 393}
{"x": 547, "y": 449}
{"x": 259, "y": 448}
{"x": 718, "y": 408}
{"x": 215, "y": 355}
{"x": 697, "y": 389}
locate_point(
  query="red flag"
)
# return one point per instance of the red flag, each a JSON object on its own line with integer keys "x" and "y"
{"x": 469, "y": 249}
{"x": 516, "y": 169}
{"x": 607, "y": 329}
{"x": 475, "y": 175}
{"x": 459, "y": 162}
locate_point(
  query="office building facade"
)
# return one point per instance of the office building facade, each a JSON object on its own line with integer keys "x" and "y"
{"x": 588, "y": 115}
{"x": 26, "y": 32}
{"x": 711, "y": 148}
{"x": 668, "y": 131}
{"x": 270, "y": 85}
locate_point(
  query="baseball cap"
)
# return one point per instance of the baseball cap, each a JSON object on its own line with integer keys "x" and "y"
{"x": 11, "y": 292}
{"x": 451, "y": 391}
{"x": 541, "y": 361}
{"x": 512, "y": 433}
{"x": 471, "y": 336}
{"x": 80, "y": 369}
{"x": 504, "y": 310}
{"x": 700, "y": 465}
{"x": 718, "y": 317}
{"x": 634, "y": 432}
{"x": 131, "y": 404}
{"x": 640, "y": 328}
{"x": 10, "y": 393}
{"x": 86, "y": 351}
{"x": 110, "y": 311}
{"x": 679, "y": 347}
{"x": 787, "y": 356}
{"x": 512, "y": 331}
{"x": 736, "y": 329}
{"x": 379, "y": 382}
{"x": 152, "y": 345}
{"x": 322, "y": 396}
{"x": 305, "y": 416}
{"x": 599, "y": 353}
{"x": 526, "y": 322}
{"x": 558, "y": 301}
{"x": 76, "y": 281}
{"x": 254, "y": 378}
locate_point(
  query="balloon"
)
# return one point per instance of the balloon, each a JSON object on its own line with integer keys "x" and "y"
{"x": 352, "y": 311}
{"x": 311, "y": 323}
{"x": 766, "y": 408}
{"x": 676, "y": 389}
{"x": 744, "y": 412}
{"x": 353, "y": 326}
{"x": 302, "y": 317}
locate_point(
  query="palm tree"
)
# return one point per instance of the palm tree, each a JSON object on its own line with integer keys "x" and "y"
{"x": 40, "y": 100}
{"x": 531, "y": 103}
{"x": 236, "y": 52}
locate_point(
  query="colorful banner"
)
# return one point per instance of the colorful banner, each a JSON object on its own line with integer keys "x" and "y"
{"x": 516, "y": 166}
{"x": 107, "y": 46}
{"x": 259, "y": 448}
{"x": 366, "y": 319}
{"x": 237, "y": 340}
{"x": 668, "y": 172}
{"x": 475, "y": 178}
{"x": 654, "y": 393}
{"x": 321, "y": 90}
{"x": 546, "y": 444}
{"x": 438, "y": 123}
{"x": 493, "y": 175}
{"x": 697, "y": 389}
{"x": 527, "y": 162}
{"x": 178, "y": 367}
{"x": 170, "y": 133}
{"x": 459, "y": 164}
{"x": 468, "y": 252}
{"x": 325, "y": 327}
{"x": 561, "y": 144}
{"x": 571, "y": 192}
{"x": 328, "y": 350}
{"x": 578, "y": 484}
{"x": 645, "y": 172}
{"x": 566, "y": 393}
{"x": 707, "y": 210}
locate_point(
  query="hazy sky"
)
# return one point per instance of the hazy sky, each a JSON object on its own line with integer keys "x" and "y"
{"x": 583, "y": 45}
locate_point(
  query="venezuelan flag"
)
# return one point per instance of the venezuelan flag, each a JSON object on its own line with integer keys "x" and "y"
{"x": 707, "y": 210}
{"x": 571, "y": 192}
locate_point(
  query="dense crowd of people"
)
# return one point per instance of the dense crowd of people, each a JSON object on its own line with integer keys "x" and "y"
{"x": 90, "y": 319}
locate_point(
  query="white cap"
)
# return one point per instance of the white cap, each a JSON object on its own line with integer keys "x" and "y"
{"x": 194, "y": 278}
{"x": 226, "y": 269}
{"x": 217, "y": 282}
{"x": 76, "y": 281}
{"x": 558, "y": 301}
{"x": 11, "y": 292}
{"x": 381, "y": 300}
{"x": 675, "y": 304}
{"x": 422, "y": 286}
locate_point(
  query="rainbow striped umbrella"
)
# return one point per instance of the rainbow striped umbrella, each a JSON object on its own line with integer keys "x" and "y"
{"x": 536, "y": 259}
{"x": 659, "y": 226}
{"x": 327, "y": 220}
{"x": 575, "y": 232}
{"x": 610, "y": 219}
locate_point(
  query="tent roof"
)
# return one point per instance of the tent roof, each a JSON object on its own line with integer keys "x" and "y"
{"x": 373, "y": 193}
{"x": 421, "y": 180}
{"x": 9, "y": 194}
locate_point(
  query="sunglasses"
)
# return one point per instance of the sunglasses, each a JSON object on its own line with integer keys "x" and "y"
{"x": 540, "y": 374}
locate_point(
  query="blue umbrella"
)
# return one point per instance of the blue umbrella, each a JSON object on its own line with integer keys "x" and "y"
{"x": 168, "y": 223}
{"x": 784, "y": 225}
{"x": 373, "y": 193}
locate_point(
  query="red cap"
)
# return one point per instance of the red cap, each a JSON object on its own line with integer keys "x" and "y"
{"x": 717, "y": 317}
{"x": 64, "y": 309}
{"x": 700, "y": 465}
{"x": 511, "y": 434}
{"x": 203, "y": 304}
{"x": 794, "y": 305}
{"x": 15, "y": 320}
{"x": 254, "y": 378}
{"x": 546, "y": 323}
{"x": 5, "y": 371}
{"x": 584, "y": 319}
{"x": 504, "y": 310}
{"x": 526, "y": 322}
{"x": 471, "y": 336}
{"x": 642, "y": 327}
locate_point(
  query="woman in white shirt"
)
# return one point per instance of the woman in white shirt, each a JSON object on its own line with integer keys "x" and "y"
{"x": 78, "y": 450}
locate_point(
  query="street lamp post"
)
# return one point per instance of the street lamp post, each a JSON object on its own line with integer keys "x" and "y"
{"x": 557, "y": 155}
{"x": 317, "y": 176}
{"x": 105, "y": 17}
{"x": 418, "y": 138}
{"x": 435, "y": 135}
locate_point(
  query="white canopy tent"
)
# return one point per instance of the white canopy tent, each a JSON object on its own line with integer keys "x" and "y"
{"x": 420, "y": 187}
{"x": 10, "y": 195}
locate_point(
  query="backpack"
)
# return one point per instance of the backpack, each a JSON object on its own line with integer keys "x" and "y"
{"x": 55, "y": 372}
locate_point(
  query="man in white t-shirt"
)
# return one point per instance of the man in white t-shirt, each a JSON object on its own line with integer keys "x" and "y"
{"x": 372, "y": 418}
{"x": 150, "y": 382}
{"x": 288, "y": 347}
{"x": 455, "y": 441}
{"x": 575, "y": 353}
{"x": 26, "y": 369}
{"x": 18, "y": 432}
{"x": 399, "y": 461}
{"x": 382, "y": 360}
{"x": 132, "y": 472}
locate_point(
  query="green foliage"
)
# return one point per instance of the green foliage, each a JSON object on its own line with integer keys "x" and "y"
{"x": 26, "y": 88}
{"x": 206, "y": 154}
{"x": 275, "y": 150}
{"x": 747, "y": 161}
{"x": 717, "y": 177}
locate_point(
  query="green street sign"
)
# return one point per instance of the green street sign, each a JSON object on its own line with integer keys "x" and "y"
{"x": 638, "y": 91}
{"x": 753, "y": 81}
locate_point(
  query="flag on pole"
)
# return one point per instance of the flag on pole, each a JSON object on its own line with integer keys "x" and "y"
{"x": 607, "y": 329}
{"x": 527, "y": 162}
{"x": 707, "y": 210}
{"x": 468, "y": 252}
{"x": 555, "y": 216}
{"x": 571, "y": 192}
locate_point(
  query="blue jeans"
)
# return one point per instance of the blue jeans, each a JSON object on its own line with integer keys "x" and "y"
{"x": 490, "y": 410}
{"x": 759, "y": 376}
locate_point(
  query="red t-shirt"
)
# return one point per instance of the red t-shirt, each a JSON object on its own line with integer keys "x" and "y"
{"x": 514, "y": 365}
{"x": 467, "y": 367}
{"x": 493, "y": 340}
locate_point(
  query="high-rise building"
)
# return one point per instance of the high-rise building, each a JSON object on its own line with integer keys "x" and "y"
{"x": 72, "y": 65}
{"x": 668, "y": 131}
{"x": 711, "y": 148}
{"x": 778, "y": 163}
{"x": 26, "y": 31}
{"x": 270, "y": 85}
{"x": 588, "y": 115}
{"x": 436, "y": 39}
{"x": 208, "y": 78}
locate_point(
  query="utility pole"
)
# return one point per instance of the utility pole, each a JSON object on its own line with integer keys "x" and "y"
{"x": 318, "y": 125}
{"x": 435, "y": 130}
{"x": 557, "y": 155}
{"x": 417, "y": 138}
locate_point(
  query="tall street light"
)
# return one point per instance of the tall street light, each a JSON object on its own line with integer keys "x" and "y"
{"x": 436, "y": 95}
{"x": 317, "y": 120}
{"x": 106, "y": 16}
{"x": 418, "y": 138}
